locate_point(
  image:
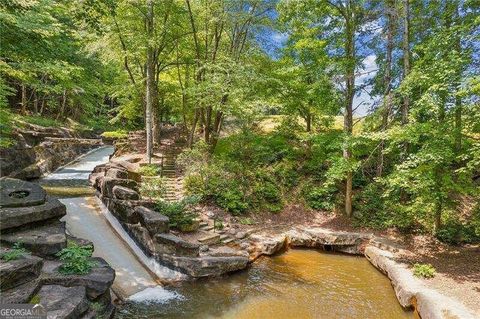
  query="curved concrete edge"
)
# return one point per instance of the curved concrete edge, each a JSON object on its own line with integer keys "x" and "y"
{"x": 410, "y": 291}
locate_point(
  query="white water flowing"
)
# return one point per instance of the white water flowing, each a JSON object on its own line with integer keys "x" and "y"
{"x": 155, "y": 295}
{"x": 136, "y": 274}
{"x": 162, "y": 272}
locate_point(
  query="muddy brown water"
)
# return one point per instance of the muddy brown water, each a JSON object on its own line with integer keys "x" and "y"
{"x": 297, "y": 284}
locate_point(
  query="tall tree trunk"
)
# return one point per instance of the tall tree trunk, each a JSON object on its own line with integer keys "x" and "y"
{"x": 458, "y": 124}
{"x": 390, "y": 13}
{"x": 24, "y": 99}
{"x": 156, "y": 117}
{"x": 192, "y": 130}
{"x": 208, "y": 123}
{"x": 349, "y": 94}
{"x": 309, "y": 121}
{"x": 42, "y": 105}
{"x": 35, "y": 102}
{"x": 62, "y": 106}
{"x": 217, "y": 126}
{"x": 406, "y": 56}
{"x": 458, "y": 99}
{"x": 150, "y": 82}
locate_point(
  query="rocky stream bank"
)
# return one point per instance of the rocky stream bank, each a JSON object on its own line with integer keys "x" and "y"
{"x": 32, "y": 274}
{"x": 204, "y": 251}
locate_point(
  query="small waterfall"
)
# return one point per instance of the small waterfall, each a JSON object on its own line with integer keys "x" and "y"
{"x": 162, "y": 272}
{"x": 155, "y": 295}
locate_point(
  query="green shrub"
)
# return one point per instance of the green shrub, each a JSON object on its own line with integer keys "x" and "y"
{"x": 149, "y": 170}
{"x": 424, "y": 270}
{"x": 115, "y": 134}
{"x": 76, "y": 259}
{"x": 218, "y": 224}
{"x": 286, "y": 173}
{"x": 370, "y": 208}
{"x": 246, "y": 221}
{"x": 454, "y": 233}
{"x": 232, "y": 200}
{"x": 193, "y": 184}
{"x": 14, "y": 253}
{"x": 320, "y": 197}
{"x": 153, "y": 188}
{"x": 475, "y": 221}
{"x": 39, "y": 120}
{"x": 268, "y": 196}
{"x": 180, "y": 213}
{"x": 6, "y": 126}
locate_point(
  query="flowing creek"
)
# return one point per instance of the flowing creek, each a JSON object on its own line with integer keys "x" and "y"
{"x": 88, "y": 218}
{"x": 296, "y": 284}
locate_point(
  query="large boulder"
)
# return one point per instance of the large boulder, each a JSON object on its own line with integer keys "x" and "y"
{"x": 12, "y": 217}
{"x": 141, "y": 235}
{"x": 45, "y": 240}
{"x": 22, "y": 293}
{"x": 97, "y": 281}
{"x": 411, "y": 292}
{"x": 174, "y": 245}
{"x": 353, "y": 243}
{"x": 266, "y": 245}
{"x": 124, "y": 209}
{"x": 28, "y": 173}
{"x": 121, "y": 192}
{"x": 152, "y": 220}
{"x": 108, "y": 183}
{"x": 95, "y": 180}
{"x": 116, "y": 173}
{"x": 63, "y": 302}
{"x": 18, "y": 193}
{"x": 127, "y": 166}
{"x": 19, "y": 271}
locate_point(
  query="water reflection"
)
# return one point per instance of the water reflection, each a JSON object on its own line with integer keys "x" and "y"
{"x": 297, "y": 284}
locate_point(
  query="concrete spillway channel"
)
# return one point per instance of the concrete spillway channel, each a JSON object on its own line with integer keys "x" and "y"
{"x": 88, "y": 218}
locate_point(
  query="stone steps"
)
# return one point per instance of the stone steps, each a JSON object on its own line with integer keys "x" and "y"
{"x": 227, "y": 241}
{"x": 207, "y": 228}
{"x": 210, "y": 239}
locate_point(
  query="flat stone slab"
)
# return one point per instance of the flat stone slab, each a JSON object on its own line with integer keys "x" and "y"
{"x": 411, "y": 291}
{"x": 46, "y": 240}
{"x": 116, "y": 173}
{"x": 174, "y": 245}
{"x": 108, "y": 183}
{"x": 63, "y": 302}
{"x": 206, "y": 266}
{"x": 18, "y": 193}
{"x": 13, "y": 217}
{"x": 152, "y": 220}
{"x": 97, "y": 282}
{"x": 121, "y": 192}
{"x": 352, "y": 243}
{"x": 20, "y": 294}
{"x": 225, "y": 251}
{"x": 210, "y": 239}
{"x": 16, "y": 272}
